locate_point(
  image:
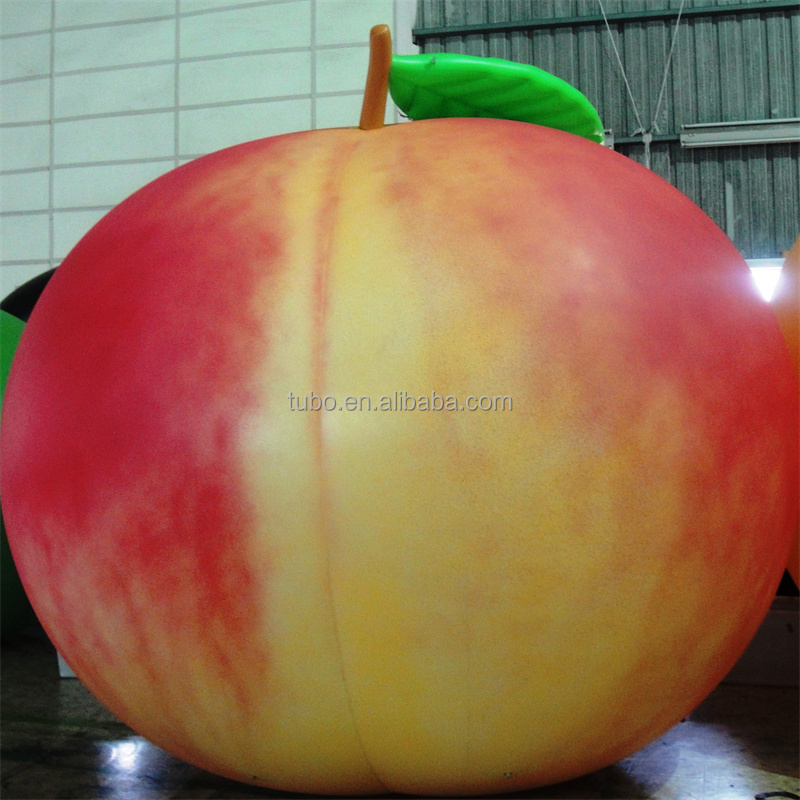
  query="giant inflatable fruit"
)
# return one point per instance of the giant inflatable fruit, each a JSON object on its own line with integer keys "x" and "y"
{"x": 360, "y": 599}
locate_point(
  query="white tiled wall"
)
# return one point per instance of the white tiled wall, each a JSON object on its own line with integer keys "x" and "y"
{"x": 99, "y": 97}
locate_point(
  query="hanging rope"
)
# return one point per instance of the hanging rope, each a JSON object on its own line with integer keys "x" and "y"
{"x": 654, "y": 126}
{"x": 646, "y": 133}
{"x": 631, "y": 98}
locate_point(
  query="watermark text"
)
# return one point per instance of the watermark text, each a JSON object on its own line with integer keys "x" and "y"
{"x": 400, "y": 401}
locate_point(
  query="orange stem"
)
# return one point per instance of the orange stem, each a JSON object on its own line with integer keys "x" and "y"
{"x": 373, "y": 109}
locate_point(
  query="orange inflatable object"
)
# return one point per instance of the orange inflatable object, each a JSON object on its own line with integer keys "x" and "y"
{"x": 786, "y": 305}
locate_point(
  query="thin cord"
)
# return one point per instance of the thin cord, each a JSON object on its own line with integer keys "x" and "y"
{"x": 647, "y": 134}
{"x": 654, "y": 126}
{"x": 640, "y": 129}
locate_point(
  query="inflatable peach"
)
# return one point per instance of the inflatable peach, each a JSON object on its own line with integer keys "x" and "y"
{"x": 363, "y": 597}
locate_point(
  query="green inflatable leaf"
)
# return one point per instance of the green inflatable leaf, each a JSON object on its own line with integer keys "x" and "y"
{"x": 453, "y": 85}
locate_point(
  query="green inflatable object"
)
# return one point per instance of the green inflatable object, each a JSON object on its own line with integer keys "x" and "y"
{"x": 453, "y": 85}
{"x": 15, "y": 610}
{"x": 10, "y": 331}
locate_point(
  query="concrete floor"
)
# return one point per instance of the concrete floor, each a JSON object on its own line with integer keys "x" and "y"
{"x": 58, "y": 742}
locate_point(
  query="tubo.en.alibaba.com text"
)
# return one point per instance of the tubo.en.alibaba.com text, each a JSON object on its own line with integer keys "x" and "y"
{"x": 399, "y": 401}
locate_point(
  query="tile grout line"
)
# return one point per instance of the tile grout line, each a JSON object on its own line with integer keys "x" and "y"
{"x": 52, "y": 142}
{"x": 177, "y": 141}
{"x": 39, "y": 212}
{"x": 313, "y": 64}
{"x": 115, "y": 23}
{"x": 171, "y": 108}
{"x": 395, "y": 36}
{"x": 162, "y": 62}
{"x": 119, "y": 162}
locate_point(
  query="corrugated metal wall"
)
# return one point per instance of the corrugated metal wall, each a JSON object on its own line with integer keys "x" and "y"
{"x": 733, "y": 61}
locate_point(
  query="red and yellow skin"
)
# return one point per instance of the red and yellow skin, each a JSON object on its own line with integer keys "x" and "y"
{"x": 786, "y": 305}
{"x": 444, "y": 602}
